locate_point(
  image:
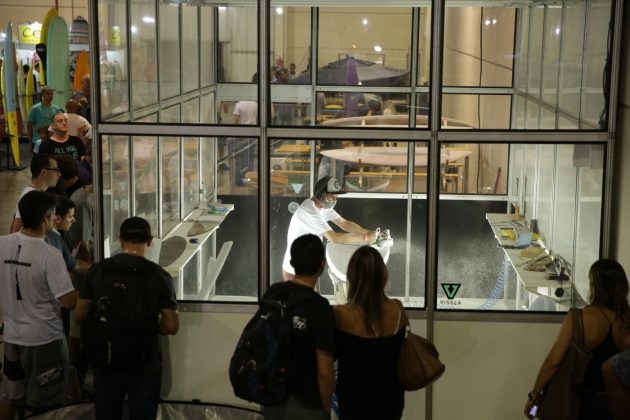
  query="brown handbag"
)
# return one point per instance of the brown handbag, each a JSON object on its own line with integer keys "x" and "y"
{"x": 418, "y": 362}
{"x": 561, "y": 398}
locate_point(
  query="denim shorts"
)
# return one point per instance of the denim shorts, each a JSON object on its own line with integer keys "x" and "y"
{"x": 621, "y": 365}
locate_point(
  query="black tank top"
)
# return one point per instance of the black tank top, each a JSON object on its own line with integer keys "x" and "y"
{"x": 593, "y": 381}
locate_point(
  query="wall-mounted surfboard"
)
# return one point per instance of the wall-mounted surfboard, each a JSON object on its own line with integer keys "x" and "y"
{"x": 42, "y": 47}
{"x": 57, "y": 53}
{"x": 21, "y": 90}
{"x": 9, "y": 92}
{"x": 81, "y": 68}
{"x": 30, "y": 89}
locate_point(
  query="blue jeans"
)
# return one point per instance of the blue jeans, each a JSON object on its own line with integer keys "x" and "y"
{"x": 142, "y": 390}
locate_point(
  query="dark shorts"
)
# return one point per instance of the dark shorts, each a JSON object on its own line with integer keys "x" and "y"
{"x": 621, "y": 365}
{"x": 34, "y": 377}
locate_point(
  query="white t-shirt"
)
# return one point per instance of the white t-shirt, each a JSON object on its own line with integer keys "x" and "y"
{"x": 75, "y": 121}
{"x": 307, "y": 219}
{"x": 24, "y": 191}
{"x": 248, "y": 111}
{"x": 42, "y": 277}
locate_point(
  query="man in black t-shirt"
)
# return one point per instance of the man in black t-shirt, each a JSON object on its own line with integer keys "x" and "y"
{"x": 312, "y": 343}
{"x": 142, "y": 383}
{"x": 60, "y": 142}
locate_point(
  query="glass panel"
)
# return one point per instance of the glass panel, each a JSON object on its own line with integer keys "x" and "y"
{"x": 151, "y": 118}
{"x": 107, "y": 182}
{"x": 374, "y": 110}
{"x": 548, "y": 121}
{"x": 237, "y": 177}
{"x": 520, "y": 81}
{"x": 169, "y": 51}
{"x": 170, "y": 156}
{"x": 290, "y": 113}
{"x": 143, "y": 53}
{"x": 474, "y": 168}
{"x": 113, "y": 58}
{"x": 190, "y": 112}
{"x": 241, "y": 112}
{"x": 360, "y": 46}
{"x": 290, "y": 42}
{"x": 535, "y": 48}
{"x": 238, "y": 44}
{"x": 519, "y": 113}
{"x": 507, "y": 277}
{"x": 208, "y": 167}
{"x": 478, "y": 46}
{"x": 206, "y": 50}
{"x": 120, "y": 187}
{"x": 191, "y": 174}
{"x": 382, "y": 170}
{"x": 145, "y": 176}
{"x": 170, "y": 115}
{"x": 207, "y": 109}
{"x": 424, "y": 47}
{"x": 532, "y": 115}
{"x": 571, "y": 57}
{"x": 190, "y": 49}
{"x": 476, "y": 111}
{"x": 596, "y": 54}
{"x": 551, "y": 55}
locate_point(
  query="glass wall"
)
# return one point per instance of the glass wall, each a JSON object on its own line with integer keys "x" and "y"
{"x": 190, "y": 73}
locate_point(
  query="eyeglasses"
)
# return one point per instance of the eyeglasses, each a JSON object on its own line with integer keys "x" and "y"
{"x": 52, "y": 169}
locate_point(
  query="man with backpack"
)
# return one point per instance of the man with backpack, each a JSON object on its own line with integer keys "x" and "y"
{"x": 295, "y": 367}
{"x": 125, "y": 302}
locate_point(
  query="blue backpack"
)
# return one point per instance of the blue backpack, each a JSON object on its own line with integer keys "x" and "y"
{"x": 262, "y": 367}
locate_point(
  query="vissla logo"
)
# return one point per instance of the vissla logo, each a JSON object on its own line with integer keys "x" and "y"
{"x": 451, "y": 289}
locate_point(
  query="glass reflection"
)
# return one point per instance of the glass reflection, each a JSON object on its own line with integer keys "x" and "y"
{"x": 113, "y": 59}
{"x": 364, "y": 109}
{"x": 145, "y": 161}
{"x": 169, "y": 51}
{"x": 144, "y": 69}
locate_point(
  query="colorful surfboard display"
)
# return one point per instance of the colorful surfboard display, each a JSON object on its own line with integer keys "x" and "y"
{"x": 9, "y": 92}
{"x": 21, "y": 91}
{"x": 57, "y": 66}
{"x": 81, "y": 68}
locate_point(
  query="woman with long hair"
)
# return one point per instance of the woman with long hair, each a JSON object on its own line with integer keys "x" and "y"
{"x": 368, "y": 336}
{"x": 606, "y": 321}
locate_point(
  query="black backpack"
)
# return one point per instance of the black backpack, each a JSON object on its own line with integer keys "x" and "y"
{"x": 120, "y": 331}
{"x": 262, "y": 367}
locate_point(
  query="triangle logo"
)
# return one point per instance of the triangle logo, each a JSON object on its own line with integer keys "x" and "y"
{"x": 297, "y": 187}
{"x": 450, "y": 289}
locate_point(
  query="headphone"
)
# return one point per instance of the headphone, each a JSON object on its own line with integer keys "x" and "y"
{"x": 327, "y": 184}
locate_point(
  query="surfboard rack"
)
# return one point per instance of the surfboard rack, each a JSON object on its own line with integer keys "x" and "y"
{"x": 7, "y": 141}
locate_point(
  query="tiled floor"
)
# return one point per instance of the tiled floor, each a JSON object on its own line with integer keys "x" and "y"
{"x": 12, "y": 183}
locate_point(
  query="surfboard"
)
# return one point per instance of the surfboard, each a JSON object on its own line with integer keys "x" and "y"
{"x": 9, "y": 92}
{"x": 29, "y": 90}
{"x": 82, "y": 67}
{"x": 57, "y": 53}
{"x": 4, "y": 98}
{"x": 43, "y": 39}
{"x": 21, "y": 90}
{"x": 391, "y": 156}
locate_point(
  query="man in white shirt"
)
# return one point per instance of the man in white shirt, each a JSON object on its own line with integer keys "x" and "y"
{"x": 313, "y": 217}
{"x": 35, "y": 285}
{"x": 78, "y": 126}
{"x": 44, "y": 175}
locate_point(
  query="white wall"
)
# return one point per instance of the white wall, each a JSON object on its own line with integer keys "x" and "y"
{"x": 490, "y": 366}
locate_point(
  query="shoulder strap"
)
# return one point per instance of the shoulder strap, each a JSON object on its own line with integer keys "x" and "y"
{"x": 398, "y": 323}
{"x": 607, "y": 319}
{"x": 578, "y": 326}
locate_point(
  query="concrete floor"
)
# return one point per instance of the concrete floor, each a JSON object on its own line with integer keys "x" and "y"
{"x": 12, "y": 183}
